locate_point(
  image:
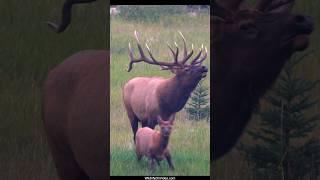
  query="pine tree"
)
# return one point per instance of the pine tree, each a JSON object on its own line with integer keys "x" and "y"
{"x": 198, "y": 106}
{"x": 279, "y": 152}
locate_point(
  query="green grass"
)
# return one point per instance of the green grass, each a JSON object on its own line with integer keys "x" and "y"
{"x": 189, "y": 144}
{"x": 190, "y": 141}
{"x": 28, "y": 50}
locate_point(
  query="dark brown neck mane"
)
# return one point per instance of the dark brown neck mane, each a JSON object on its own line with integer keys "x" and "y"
{"x": 173, "y": 95}
{"x": 164, "y": 141}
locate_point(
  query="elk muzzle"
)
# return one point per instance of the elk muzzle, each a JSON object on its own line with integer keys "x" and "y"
{"x": 203, "y": 70}
{"x": 301, "y": 27}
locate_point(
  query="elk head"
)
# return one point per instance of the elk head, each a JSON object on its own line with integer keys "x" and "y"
{"x": 66, "y": 15}
{"x": 165, "y": 126}
{"x": 186, "y": 74}
{"x": 249, "y": 47}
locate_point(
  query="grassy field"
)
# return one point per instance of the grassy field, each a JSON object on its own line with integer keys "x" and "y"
{"x": 190, "y": 141}
{"x": 28, "y": 49}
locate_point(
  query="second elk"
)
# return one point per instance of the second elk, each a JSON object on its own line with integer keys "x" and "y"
{"x": 154, "y": 144}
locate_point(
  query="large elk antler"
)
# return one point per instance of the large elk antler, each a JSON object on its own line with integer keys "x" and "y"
{"x": 66, "y": 15}
{"x": 168, "y": 65}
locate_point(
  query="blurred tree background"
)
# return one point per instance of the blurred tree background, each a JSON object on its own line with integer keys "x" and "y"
{"x": 234, "y": 165}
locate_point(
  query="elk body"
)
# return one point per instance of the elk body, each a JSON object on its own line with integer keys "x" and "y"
{"x": 75, "y": 116}
{"x": 146, "y": 98}
{"x": 154, "y": 144}
{"x": 249, "y": 48}
{"x": 75, "y": 112}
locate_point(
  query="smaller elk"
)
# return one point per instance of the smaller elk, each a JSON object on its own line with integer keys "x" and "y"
{"x": 154, "y": 144}
{"x": 145, "y": 98}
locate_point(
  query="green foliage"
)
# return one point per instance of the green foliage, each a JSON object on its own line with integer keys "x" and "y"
{"x": 198, "y": 106}
{"x": 148, "y": 13}
{"x": 282, "y": 124}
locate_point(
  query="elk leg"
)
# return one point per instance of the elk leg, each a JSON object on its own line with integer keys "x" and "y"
{"x": 168, "y": 157}
{"x": 139, "y": 156}
{"x": 134, "y": 123}
{"x": 151, "y": 124}
{"x": 151, "y": 165}
{"x": 134, "y": 126}
{"x": 158, "y": 161}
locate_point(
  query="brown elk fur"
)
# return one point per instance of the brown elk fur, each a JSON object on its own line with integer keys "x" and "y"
{"x": 249, "y": 48}
{"x": 75, "y": 115}
{"x": 145, "y": 98}
{"x": 159, "y": 96}
{"x": 154, "y": 144}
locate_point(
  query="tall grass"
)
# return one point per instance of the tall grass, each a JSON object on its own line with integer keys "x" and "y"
{"x": 190, "y": 141}
{"x": 28, "y": 50}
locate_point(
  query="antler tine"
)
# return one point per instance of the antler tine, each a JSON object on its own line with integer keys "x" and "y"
{"x": 173, "y": 53}
{"x": 185, "y": 53}
{"x": 177, "y": 53}
{"x": 142, "y": 56}
{"x": 154, "y": 60}
{"x": 139, "y": 46}
{"x": 186, "y": 56}
{"x": 149, "y": 51}
{"x": 197, "y": 56}
{"x": 132, "y": 59}
{"x": 150, "y": 60}
{"x": 66, "y": 15}
{"x": 202, "y": 59}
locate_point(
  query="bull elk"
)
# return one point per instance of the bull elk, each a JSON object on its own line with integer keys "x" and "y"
{"x": 75, "y": 111}
{"x": 146, "y": 98}
{"x": 249, "y": 48}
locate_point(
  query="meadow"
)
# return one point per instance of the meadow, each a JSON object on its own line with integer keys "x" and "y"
{"x": 189, "y": 141}
{"x": 28, "y": 50}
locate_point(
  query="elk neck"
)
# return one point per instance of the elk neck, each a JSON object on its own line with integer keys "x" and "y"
{"x": 164, "y": 141}
{"x": 173, "y": 94}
